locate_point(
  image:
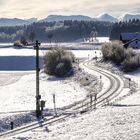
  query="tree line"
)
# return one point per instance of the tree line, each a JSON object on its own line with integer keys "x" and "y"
{"x": 54, "y": 31}
{"x": 121, "y": 27}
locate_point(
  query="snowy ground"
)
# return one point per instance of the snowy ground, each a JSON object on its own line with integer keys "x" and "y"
{"x": 22, "y": 95}
{"x": 100, "y": 40}
{"x": 110, "y": 123}
{"x": 17, "y": 75}
{"x": 12, "y": 59}
{"x": 134, "y": 99}
{"x": 17, "y": 86}
{"x": 116, "y": 122}
{"x": 126, "y": 94}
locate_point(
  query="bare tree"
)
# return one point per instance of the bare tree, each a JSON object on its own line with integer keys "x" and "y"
{"x": 50, "y": 36}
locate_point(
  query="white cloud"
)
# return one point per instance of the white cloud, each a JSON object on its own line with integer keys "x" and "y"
{"x": 42, "y": 8}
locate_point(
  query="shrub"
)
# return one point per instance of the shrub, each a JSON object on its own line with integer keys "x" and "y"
{"x": 18, "y": 43}
{"x": 130, "y": 63}
{"x": 58, "y": 62}
{"x": 60, "y": 69}
{"x": 50, "y": 61}
{"x": 116, "y": 53}
{"x": 107, "y": 51}
{"x": 129, "y": 53}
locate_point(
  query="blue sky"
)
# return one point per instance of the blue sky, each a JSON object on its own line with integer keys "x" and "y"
{"x": 43, "y": 8}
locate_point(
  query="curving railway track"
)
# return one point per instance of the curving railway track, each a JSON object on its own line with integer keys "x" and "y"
{"x": 113, "y": 90}
{"x": 115, "y": 87}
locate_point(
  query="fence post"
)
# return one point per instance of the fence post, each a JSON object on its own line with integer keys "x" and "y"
{"x": 12, "y": 125}
{"x": 88, "y": 56}
{"x": 91, "y": 100}
{"x": 129, "y": 82}
{"x": 95, "y": 99}
{"x": 100, "y": 79}
{"x": 54, "y": 102}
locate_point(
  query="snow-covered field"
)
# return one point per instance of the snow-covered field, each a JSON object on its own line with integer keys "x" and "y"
{"x": 12, "y": 59}
{"x": 18, "y": 85}
{"x": 134, "y": 99}
{"x": 110, "y": 123}
{"x": 17, "y": 93}
{"x": 116, "y": 122}
{"x": 21, "y": 94}
{"x": 67, "y": 44}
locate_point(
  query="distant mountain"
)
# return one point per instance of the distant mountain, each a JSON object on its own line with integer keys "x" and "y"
{"x": 106, "y": 17}
{"x": 31, "y": 20}
{"x": 15, "y": 21}
{"x": 57, "y": 18}
{"x": 102, "y": 17}
{"x": 127, "y": 17}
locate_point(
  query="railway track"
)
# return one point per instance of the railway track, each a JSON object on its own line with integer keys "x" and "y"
{"x": 110, "y": 93}
{"x": 116, "y": 85}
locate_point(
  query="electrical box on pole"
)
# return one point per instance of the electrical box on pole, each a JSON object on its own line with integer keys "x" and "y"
{"x": 42, "y": 105}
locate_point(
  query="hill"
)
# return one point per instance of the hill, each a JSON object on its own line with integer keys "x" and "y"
{"x": 57, "y": 18}
{"x": 106, "y": 17}
{"x": 15, "y": 22}
{"x": 127, "y": 17}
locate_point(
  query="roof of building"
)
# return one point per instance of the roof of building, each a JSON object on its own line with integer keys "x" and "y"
{"x": 130, "y": 36}
{"x": 132, "y": 41}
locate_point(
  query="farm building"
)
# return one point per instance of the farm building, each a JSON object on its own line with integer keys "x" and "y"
{"x": 130, "y": 39}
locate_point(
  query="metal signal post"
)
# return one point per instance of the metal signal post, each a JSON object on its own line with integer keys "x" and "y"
{"x": 38, "y": 96}
{"x": 54, "y": 105}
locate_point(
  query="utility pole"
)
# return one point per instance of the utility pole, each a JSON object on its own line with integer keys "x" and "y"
{"x": 38, "y": 97}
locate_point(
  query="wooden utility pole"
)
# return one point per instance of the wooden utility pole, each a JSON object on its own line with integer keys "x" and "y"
{"x": 38, "y": 96}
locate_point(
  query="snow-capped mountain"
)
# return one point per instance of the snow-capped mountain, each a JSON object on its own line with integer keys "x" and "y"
{"x": 128, "y": 16}
{"x": 106, "y": 17}
{"x": 57, "y": 18}
{"x": 102, "y": 17}
{"x": 15, "y": 21}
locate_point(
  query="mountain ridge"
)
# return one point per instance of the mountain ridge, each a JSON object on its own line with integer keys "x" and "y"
{"x": 128, "y": 16}
{"x": 106, "y": 17}
{"x": 102, "y": 17}
{"x": 57, "y": 18}
{"x": 15, "y": 21}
